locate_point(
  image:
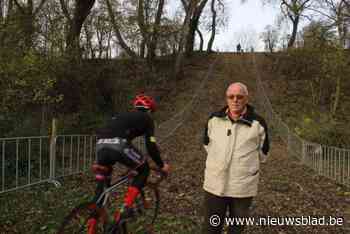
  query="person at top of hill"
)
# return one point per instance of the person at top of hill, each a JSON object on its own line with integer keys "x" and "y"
{"x": 114, "y": 145}
{"x": 239, "y": 48}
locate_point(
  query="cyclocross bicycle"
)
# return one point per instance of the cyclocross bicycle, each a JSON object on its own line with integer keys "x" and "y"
{"x": 97, "y": 216}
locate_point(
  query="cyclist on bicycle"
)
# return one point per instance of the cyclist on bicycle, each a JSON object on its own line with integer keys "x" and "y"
{"x": 114, "y": 145}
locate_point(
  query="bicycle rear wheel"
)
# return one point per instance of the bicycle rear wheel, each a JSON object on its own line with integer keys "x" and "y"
{"x": 85, "y": 218}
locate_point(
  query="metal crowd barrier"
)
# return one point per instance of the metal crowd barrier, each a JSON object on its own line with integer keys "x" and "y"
{"x": 328, "y": 161}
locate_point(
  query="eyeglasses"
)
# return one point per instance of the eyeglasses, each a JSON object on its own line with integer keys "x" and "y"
{"x": 238, "y": 97}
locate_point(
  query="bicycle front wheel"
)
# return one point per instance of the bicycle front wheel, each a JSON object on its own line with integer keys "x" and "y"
{"x": 85, "y": 218}
{"x": 147, "y": 207}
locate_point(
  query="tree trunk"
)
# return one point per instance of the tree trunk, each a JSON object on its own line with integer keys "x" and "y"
{"x": 121, "y": 41}
{"x": 141, "y": 23}
{"x": 4, "y": 22}
{"x": 81, "y": 11}
{"x": 213, "y": 27}
{"x": 150, "y": 39}
{"x": 294, "y": 32}
{"x": 2, "y": 16}
{"x": 142, "y": 48}
{"x": 26, "y": 20}
{"x": 270, "y": 46}
{"x": 108, "y": 51}
{"x": 100, "y": 43}
{"x": 201, "y": 40}
{"x": 89, "y": 48}
{"x": 43, "y": 121}
{"x": 183, "y": 40}
{"x": 342, "y": 30}
{"x": 154, "y": 41}
{"x": 194, "y": 21}
{"x": 336, "y": 97}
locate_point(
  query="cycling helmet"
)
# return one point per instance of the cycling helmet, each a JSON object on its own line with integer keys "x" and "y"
{"x": 142, "y": 101}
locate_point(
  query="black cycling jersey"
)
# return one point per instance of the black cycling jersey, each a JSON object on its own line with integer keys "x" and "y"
{"x": 129, "y": 125}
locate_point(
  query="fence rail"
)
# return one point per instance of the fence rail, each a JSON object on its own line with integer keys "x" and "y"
{"x": 26, "y": 161}
{"x": 328, "y": 161}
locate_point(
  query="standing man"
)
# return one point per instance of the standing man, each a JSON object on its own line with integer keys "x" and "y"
{"x": 236, "y": 140}
{"x": 238, "y": 48}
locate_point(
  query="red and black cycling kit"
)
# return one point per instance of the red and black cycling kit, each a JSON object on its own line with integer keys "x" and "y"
{"x": 114, "y": 143}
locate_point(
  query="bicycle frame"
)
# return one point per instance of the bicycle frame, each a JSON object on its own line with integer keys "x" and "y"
{"x": 110, "y": 187}
{"x": 106, "y": 192}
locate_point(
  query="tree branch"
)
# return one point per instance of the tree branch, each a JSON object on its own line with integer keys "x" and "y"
{"x": 141, "y": 21}
{"x": 19, "y": 6}
{"x": 322, "y": 13}
{"x": 65, "y": 10}
{"x": 302, "y": 6}
{"x": 185, "y": 5}
{"x": 157, "y": 23}
{"x": 39, "y": 7}
{"x": 121, "y": 41}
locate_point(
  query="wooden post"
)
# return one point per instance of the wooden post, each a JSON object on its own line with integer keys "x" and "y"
{"x": 53, "y": 138}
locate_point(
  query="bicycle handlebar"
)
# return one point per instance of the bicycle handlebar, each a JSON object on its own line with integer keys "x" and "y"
{"x": 161, "y": 176}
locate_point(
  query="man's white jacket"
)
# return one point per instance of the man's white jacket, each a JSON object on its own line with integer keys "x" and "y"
{"x": 235, "y": 149}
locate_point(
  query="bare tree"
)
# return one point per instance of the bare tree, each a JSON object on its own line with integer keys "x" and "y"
{"x": 117, "y": 32}
{"x": 6, "y": 9}
{"x": 81, "y": 10}
{"x": 150, "y": 38}
{"x": 337, "y": 12}
{"x": 189, "y": 9}
{"x": 198, "y": 6}
{"x": 201, "y": 40}
{"x": 27, "y": 14}
{"x": 294, "y": 10}
{"x": 213, "y": 27}
{"x": 52, "y": 29}
{"x": 270, "y": 38}
{"x": 2, "y": 14}
{"x": 247, "y": 37}
{"x": 218, "y": 19}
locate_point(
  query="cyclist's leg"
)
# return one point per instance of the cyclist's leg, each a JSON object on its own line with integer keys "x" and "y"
{"x": 140, "y": 179}
{"x": 103, "y": 169}
{"x": 134, "y": 159}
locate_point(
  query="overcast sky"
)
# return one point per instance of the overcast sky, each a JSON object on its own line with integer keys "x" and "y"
{"x": 250, "y": 16}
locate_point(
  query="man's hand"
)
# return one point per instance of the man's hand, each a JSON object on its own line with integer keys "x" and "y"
{"x": 166, "y": 168}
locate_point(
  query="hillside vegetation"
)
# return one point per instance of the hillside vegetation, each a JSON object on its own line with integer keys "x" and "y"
{"x": 310, "y": 89}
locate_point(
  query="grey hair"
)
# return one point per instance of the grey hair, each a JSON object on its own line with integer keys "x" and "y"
{"x": 242, "y": 86}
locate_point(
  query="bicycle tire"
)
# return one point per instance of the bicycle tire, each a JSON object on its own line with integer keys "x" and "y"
{"x": 118, "y": 229}
{"x": 76, "y": 222}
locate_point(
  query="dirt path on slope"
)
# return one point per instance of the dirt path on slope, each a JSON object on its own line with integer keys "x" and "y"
{"x": 287, "y": 189}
